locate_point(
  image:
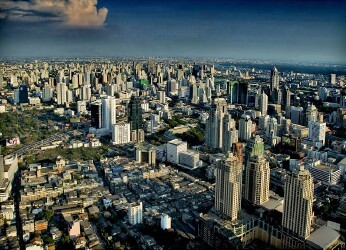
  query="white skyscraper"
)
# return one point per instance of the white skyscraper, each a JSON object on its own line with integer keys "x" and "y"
{"x": 135, "y": 213}
{"x": 165, "y": 221}
{"x": 228, "y": 185}
{"x": 246, "y": 127}
{"x": 263, "y": 104}
{"x": 272, "y": 127}
{"x": 317, "y": 132}
{"x": 47, "y": 93}
{"x": 121, "y": 133}
{"x": 61, "y": 93}
{"x": 298, "y": 201}
{"x": 213, "y": 129}
{"x": 333, "y": 79}
{"x": 230, "y": 133}
{"x": 108, "y": 112}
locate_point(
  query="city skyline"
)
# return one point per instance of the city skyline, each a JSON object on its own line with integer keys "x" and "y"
{"x": 306, "y": 31}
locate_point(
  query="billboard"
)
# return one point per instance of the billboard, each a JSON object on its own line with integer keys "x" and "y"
{"x": 12, "y": 142}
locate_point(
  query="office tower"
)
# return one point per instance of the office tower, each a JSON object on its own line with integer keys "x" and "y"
{"x": 263, "y": 104}
{"x": 61, "y": 93}
{"x": 298, "y": 201}
{"x": 121, "y": 133}
{"x": 135, "y": 113}
{"x": 213, "y": 129}
{"x": 230, "y": 133}
{"x": 246, "y": 127}
{"x": 333, "y": 79}
{"x": 174, "y": 147}
{"x": 257, "y": 178}
{"x": 272, "y": 127}
{"x": 161, "y": 96}
{"x": 81, "y": 107}
{"x": 286, "y": 97}
{"x": 228, "y": 186}
{"x": 23, "y": 94}
{"x": 135, "y": 213}
{"x": 47, "y": 93}
{"x": 96, "y": 115}
{"x": 311, "y": 114}
{"x": 108, "y": 112}
{"x": 243, "y": 92}
{"x": 274, "y": 79}
{"x": 232, "y": 92}
{"x": 296, "y": 114}
{"x": 317, "y": 132}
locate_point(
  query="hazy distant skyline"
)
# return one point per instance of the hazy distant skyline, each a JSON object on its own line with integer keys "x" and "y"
{"x": 311, "y": 31}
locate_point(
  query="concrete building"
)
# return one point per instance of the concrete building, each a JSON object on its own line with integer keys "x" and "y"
{"x": 189, "y": 159}
{"x": 246, "y": 128}
{"x": 263, "y": 104}
{"x": 108, "y": 112}
{"x": 174, "y": 147}
{"x": 121, "y": 133}
{"x": 165, "y": 221}
{"x": 317, "y": 133}
{"x": 214, "y": 128}
{"x": 299, "y": 196}
{"x": 257, "y": 179}
{"x": 135, "y": 213}
{"x": 61, "y": 93}
{"x": 230, "y": 133}
{"x": 228, "y": 185}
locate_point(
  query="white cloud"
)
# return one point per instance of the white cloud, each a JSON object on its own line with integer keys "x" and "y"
{"x": 74, "y": 13}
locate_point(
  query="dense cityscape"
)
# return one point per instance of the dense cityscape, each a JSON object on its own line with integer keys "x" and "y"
{"x": 168, "y": 153}
{"x": 171, "y": 125}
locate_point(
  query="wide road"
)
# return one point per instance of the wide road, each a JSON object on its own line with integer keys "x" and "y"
{"x": 39, "y": 144}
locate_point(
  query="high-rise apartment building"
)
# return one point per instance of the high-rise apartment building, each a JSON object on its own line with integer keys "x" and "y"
{"x": 230, "y": 133}
{"x": 299, "y": 196}
{"x": 121, "y": 133}
{"x": 263, "y": 104}
{"x": 274, "y": 79}
{"x": 257, "y": 178}
{"x": 246, "y": 127}
{"x": 213, "y": 129}
{"x": 135, "y": 213}
{"x": 108, "y": 112}
{"x": 228, "y": 187}
{"x": 61, "y": 93}
{"x": 317, "y": 132}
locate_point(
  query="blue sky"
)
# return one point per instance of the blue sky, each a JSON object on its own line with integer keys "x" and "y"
{"x": 313, "y": 31}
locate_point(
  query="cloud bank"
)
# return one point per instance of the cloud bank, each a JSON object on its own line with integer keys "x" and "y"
{"x": 71, "y": 13}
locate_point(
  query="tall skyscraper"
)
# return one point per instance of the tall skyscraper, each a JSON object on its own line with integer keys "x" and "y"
{"x": 254, "y": 147}
{"x": 230, "y": 133}
{"x": 257, "y": 173}
{"x": 228, "y": 187}
{"x": 96, "y": 115}
{"x": 263, "y": 104}
{"x": 108, "y": 112}
{"x": 333, "y": 79}
{"x": 317, "y": 132}
{"x": 23, "y": 94}
{"x": 135, "y": 113}
{"x": 213, "y": 129}
{"x": 286, "y": 97}
{"x": 61, "y": 93}
{"x": 299, "y": 196}
{"x": 311, "y": 114}
{"x": 246, "y": 127}
{"x": 274, "y": 79}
